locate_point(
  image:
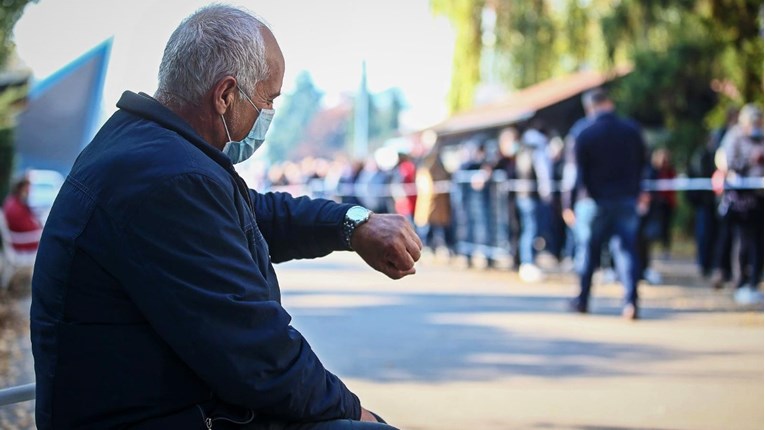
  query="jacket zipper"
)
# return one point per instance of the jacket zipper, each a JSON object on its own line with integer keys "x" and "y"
{"x": 209, "y": 421}
{"x": 246, "y": 421}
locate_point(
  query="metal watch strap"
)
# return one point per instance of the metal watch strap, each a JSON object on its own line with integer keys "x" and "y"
{"x": 350, "y": 223}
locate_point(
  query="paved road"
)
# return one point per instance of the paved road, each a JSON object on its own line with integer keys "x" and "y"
{"x": 452, "y": 348}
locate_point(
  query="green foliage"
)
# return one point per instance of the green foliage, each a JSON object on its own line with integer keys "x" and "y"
{"x": 575, "y": 32}
{"x": 465, "y": 15}
{"x": 6, "y": 160}
{"x": 384, "y": 111}
{"x": 738, "y": 25}
{"x": 292, "y": 117}
{"x": 684, "y": 51}
{"x": 677, "y": 48}
{"x": 10, "y": 12}
{"x": 526, "y": 34}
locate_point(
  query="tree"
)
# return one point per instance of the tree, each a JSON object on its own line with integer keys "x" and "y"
{"x": 465, "y": 15}
{"x": 10, "y": 95}
{"x": 293, "y": 117}
{"x": 738, "y": 25}
{"x": 677, "y": 49}
{"x": 384, "y": 111}
{"x": 9, "y": 14}
{"x": 384, "y": 115}
{"x": 526, "y": 33}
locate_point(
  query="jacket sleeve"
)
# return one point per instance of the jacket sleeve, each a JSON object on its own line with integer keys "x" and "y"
{"x": 189, "y": 270}
{"x": 299, "y": 227}
{"x": 582, "y": 164}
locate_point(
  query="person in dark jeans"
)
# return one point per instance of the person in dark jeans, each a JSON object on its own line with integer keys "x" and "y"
{"x": 702, "y": 165}
{"x": 741, "y": 157}
{"x": 610, "y": 156}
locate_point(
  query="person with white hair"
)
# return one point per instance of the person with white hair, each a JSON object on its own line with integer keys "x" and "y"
{"x": 155, "y": 304}
{"x": 741, "y": 156}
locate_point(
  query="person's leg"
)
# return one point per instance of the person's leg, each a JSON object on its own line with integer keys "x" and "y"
{"x": 626, "y": 223}
{"x": 514, "y": 229}
{"x": 759, "y": 246}
{"x": 740, "y": 231}
{"x": 544, "y": 224}
{"x": 703, "y": 233}
{"x": 526, "y": 209}
{"x": 749, "y": 233}
{"x": 449, "y": 238}
{"x": 725, "y": 247}
{"x": 666, "y": 212}
{"x": 584, "y": 212}
{"x": 599, "y": 232}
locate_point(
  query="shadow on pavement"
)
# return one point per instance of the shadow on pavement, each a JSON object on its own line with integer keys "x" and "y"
{"x": 446, "y": 337}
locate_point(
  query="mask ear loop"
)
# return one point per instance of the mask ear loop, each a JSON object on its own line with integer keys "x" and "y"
{"x": 225, "y": 127}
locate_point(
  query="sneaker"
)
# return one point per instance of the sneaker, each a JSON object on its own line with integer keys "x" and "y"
{"x": 652, "y": 277}
{"x": 747, "y": 295}
{"x": 629, "y": 312}
{"x": 574, "y": 305}
{"x": 530, "y": 273}
{"x": 717, "y": 281}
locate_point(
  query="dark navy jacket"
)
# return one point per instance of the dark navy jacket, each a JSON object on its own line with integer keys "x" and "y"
{"x": 610, "y": 157}
{"x": 154, "y": 300}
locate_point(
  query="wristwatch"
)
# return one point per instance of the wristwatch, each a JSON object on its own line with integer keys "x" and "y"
{"x": 355, "y": 216}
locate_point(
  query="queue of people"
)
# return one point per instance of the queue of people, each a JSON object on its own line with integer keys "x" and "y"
{"x": 548, "y": 202}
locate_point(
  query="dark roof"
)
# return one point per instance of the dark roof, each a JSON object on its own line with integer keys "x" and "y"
{"x": 523, "y": 104}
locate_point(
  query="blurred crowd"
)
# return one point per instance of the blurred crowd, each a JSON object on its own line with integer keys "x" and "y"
{"x": 510, "y": 199}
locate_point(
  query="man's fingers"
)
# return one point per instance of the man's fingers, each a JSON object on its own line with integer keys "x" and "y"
{"x": 400, "y": 258}
{"x": 394, "y": 273}
{"x": 415, "y": 237}
{"x": 413, "y": 249}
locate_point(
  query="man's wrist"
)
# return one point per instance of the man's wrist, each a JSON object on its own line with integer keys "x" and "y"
{"x": 354, "y": 217}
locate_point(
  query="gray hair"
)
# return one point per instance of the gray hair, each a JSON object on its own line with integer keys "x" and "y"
{"x": 749, "y": 114}
{"x": 216, "y": 41}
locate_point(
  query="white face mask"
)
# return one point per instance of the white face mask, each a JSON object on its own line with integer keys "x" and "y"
{"x": 239, "y": 151}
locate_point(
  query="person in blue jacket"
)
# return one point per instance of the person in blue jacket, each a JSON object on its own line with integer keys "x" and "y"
{"x": 610, "y": 160}
{"x": 154, "y": 300}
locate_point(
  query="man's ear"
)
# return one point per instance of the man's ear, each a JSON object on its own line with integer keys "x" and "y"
{"x": 224, "y": 94}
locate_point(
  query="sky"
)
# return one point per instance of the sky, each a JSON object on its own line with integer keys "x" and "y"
{"x": 403, "y": 44}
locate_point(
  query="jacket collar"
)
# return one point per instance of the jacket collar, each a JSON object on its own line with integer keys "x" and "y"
{"x": 605, "y": 116}
{"x": 147, "y": 107}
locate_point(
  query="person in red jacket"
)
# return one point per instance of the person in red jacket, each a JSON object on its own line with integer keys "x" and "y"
{"x": 405, "y": 177}
{"x": 20, "y": 218}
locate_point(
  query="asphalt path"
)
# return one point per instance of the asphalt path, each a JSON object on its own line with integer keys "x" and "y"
{"x": 458, "y": 348}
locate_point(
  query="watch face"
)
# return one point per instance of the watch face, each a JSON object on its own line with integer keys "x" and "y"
{"x": 357, "y": 213}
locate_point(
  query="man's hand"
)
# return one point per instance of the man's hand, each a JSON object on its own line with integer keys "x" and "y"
{"x": 388, "y": 244}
